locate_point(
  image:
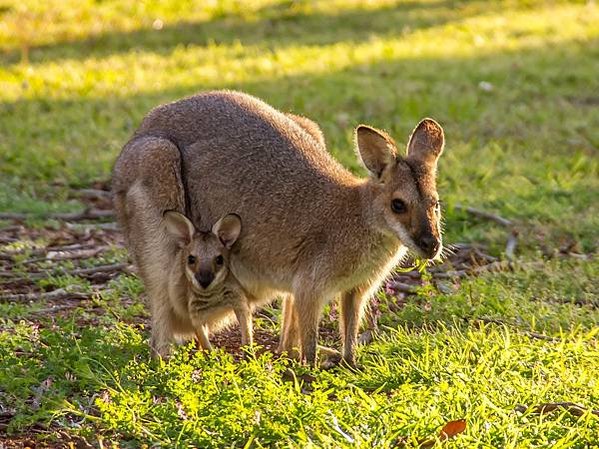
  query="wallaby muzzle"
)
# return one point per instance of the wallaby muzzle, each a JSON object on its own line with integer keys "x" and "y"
{"x": 204, "y": 278}
{"x": 429, "y": 245}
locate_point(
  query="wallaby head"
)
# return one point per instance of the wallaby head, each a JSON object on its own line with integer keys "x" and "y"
{"x": 405, "y": 186}
{"x": 205, "y": 255}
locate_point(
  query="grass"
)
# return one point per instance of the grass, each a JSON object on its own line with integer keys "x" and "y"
{"x": 514, "y": 84}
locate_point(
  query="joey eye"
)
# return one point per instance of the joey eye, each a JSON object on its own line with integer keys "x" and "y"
{"x": 398, "y": 206}
{"x": 437, "y": 205}
{"x": 191, "y": 259}
{"x": 219, "y": 260}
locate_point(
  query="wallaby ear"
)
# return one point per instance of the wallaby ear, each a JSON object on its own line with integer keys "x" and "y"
{"x": 227, "y": 229}
{"x": 179, "y": 226}
{"x": 376, "y": 148}
{"x": 426, "y": 142}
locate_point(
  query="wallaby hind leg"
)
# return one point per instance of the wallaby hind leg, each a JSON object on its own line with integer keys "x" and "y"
{"x": 308, "y": 307}
{"x": 352, "y": 309}
{"x": 290, "y": 339}
{"x": 162, "y": 326}
{"x": 244, "y": 316}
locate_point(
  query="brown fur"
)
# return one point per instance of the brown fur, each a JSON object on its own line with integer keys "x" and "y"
{"x": 311, "y": 228}
{"x": 146, "y": 183}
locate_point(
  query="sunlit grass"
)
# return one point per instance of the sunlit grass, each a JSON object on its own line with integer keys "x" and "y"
{"x": 514, "y": 83}
{"x": 213, "y": 65}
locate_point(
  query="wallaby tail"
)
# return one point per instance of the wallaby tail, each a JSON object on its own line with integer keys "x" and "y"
{"x": 152, "y": 163}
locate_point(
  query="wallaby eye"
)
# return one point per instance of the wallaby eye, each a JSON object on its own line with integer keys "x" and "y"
{"x": 398, "y": 206}
{"x": 437, "y": 205}
{"x": 219, "y": 260}
{"x": 191, "y": 259}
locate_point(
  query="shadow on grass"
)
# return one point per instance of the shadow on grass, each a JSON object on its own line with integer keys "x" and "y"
{"x": 526, "y": 131}
{"x": 277, "y": 26}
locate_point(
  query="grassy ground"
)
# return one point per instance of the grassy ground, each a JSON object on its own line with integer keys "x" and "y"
{"x": 514, "y": 84}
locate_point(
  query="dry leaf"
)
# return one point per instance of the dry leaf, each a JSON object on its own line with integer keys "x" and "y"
{"x": 449, "y": 430}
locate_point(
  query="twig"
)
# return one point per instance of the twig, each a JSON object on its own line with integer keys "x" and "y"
{"x": 118, "y": 267}
{"x": 87, "y": 214}
{"x": 484, "y": 214}
{"x": 55, "y": 308}
{"x": 40, "y": 251}
{"x": 530, "y": 334}
{"x": 491, "y": 267}
{"x": 67, "y": 255}
{"x": 571, "y": 407}
{"x": 110, "y": 226}
{"x": 402, "y": 287}
{"x": 60, "y": 293}
{"x": 94, "y": 194}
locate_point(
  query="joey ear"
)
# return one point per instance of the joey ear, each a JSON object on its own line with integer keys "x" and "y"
{"x": 227, "y": 229}
{"x": 376, "y": 148}
{"x": 179, "y": 226}
{"x": 426, "y": 142}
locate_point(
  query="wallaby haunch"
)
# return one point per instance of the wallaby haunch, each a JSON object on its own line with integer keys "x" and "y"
{"x": 185, "y": 271}
{"x": 311, "y": 228}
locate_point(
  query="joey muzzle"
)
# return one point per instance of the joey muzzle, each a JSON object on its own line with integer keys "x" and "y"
{"x": 204, "y": 278}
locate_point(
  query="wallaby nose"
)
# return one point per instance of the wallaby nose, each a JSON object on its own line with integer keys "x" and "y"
{"x": 429, "y": 244}
{"x": 204, "y": 278}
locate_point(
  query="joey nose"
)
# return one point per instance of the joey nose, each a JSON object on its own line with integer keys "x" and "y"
{"x": 429, "y": 244}
{"x": 204, "y": 278}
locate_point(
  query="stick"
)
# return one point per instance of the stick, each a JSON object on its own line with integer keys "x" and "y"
{"x": 571, "y": 407}
{"x": 402, "y": 287}
{"x": 484, "y": 214}
{"x": 94, "y": 194}
{"x": 110, "y": 226}
{"x": 52, "y": 309}
{"x": 68, "y": 255}
{"x": 118, "y": 267}
{"x": 530, "y": 334}
{"x": 60, "y": 293}
{"x": 40, "y": 251}
{"x": 87, "y": 214}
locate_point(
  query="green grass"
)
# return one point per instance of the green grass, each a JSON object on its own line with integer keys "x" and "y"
{"x": 76, "y": 77}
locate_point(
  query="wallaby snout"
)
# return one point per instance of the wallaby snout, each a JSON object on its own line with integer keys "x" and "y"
{"x": 204, "y": 278}
{"x": 429, "y": 244}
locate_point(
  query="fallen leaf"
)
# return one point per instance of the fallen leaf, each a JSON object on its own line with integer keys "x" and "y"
{"x": 452, "y": 428}
{"x": 449, "y": 430}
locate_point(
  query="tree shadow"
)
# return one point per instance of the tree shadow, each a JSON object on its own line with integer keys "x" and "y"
{"x": 278, "y": 26}
{"x": 535, "y": 108}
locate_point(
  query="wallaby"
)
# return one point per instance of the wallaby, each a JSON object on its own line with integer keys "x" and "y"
{"x": 200, "y": 285}
{"x": 185, "y": 272}
{"x": 311, "y": 229}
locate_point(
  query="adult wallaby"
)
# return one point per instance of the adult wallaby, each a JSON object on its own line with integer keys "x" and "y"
{"x": 311, "y": 228}
{"x": 185, "y": 271}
